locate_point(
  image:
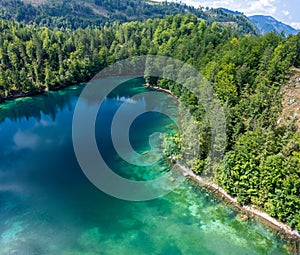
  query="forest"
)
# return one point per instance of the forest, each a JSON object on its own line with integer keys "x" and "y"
{"x": 75, "y": 14}
{"x": 261, "y": 165}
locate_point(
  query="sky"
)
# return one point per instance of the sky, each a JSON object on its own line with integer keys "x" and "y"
{"x": 286, "y": 11}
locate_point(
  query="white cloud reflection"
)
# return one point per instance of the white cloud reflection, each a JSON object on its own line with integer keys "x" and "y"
{"x": 26, "y": 140}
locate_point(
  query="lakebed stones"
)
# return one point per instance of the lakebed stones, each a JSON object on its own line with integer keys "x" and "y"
{"x": 243, "y": 217}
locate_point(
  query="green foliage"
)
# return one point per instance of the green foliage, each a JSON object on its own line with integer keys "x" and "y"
{"x": 172, "y": 145}
{"x": 75, "y": 14}
{"x": 262, "y": 161}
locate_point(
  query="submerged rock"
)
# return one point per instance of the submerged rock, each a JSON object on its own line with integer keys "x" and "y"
{"x": 243, "y": 217}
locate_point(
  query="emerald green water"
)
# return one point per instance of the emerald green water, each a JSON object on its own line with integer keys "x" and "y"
{"x": 47, "y": 205}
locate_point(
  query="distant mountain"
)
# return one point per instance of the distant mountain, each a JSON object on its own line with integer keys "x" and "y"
{"x": 266, "y": 24}
{"x": 82, "y": 13}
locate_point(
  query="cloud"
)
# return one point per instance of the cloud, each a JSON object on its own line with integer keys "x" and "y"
{"x": 249, "y": 7}
{"x": 126, "y": 100}
{"x": 285, "y": 12}
{"x": 260, "y": 7}
{"x": 25, "y": 140}
{"x": 216, "y": 4}
{"x": 44, "y": 123}
{"x": 295, "y": 25}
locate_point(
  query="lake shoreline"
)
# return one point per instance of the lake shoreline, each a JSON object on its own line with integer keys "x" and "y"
{"x": 34, "y": 93}
{"x": 274, "y": 224}
{"x": 248, "y": 211}
{"x": 149, "y": 86}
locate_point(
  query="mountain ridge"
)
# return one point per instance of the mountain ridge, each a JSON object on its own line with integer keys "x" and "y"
{"x": 267, "y": 23}
{"x": 77, "y": 13}
{"x": 80, "y": 14}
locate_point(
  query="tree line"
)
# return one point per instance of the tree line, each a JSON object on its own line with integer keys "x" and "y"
{"x": 262, "y": 160}
{"x": 75, "y": 14}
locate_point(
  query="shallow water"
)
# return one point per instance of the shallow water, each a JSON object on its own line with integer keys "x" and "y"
{"x": 47, "y": 205}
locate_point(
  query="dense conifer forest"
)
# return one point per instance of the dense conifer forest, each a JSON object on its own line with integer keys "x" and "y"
{"x": 262, "y": 160}
{"x": 81, "y": 14}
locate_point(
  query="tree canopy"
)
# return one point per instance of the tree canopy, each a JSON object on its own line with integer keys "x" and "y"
{"x": 262, "y": 160}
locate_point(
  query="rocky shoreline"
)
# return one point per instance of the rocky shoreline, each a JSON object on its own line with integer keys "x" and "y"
{"x": 149, "y": 86}
{"x": 249, "y": 211}
{"x": 274, "y": 224}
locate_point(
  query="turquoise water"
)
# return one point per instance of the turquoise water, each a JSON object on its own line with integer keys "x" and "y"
{"x": 47, "y": 205}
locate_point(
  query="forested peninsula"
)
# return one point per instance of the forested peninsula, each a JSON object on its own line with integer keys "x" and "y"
{"x": 261, "y": 166}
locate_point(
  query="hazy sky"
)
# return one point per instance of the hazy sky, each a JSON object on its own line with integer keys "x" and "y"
{"x": 287, "y": 11}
